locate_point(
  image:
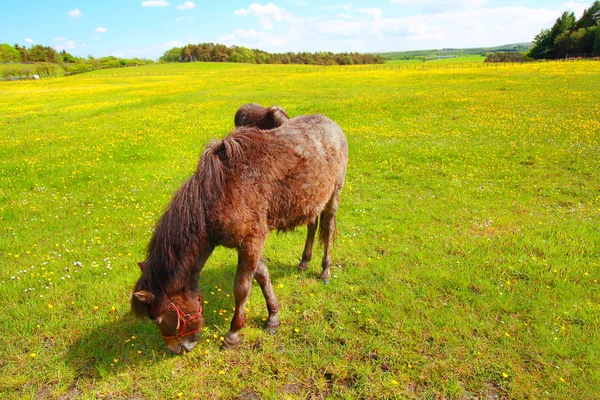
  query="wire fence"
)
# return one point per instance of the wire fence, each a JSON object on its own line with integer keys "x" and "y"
{"x": 425, "y": 66}
{"x": 35, "y": 75}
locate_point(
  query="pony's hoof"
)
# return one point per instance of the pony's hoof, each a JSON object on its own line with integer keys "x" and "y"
{"x": 303, "y": 266}
{"x": 272, "y": 329}
{"x": 230, "y": 342}
{"x": 325, "y": 281}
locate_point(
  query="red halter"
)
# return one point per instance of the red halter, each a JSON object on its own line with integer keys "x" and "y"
{"x": 186, "y": 318}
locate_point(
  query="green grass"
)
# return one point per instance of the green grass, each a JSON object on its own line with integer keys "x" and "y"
{"x": 468, "y": 59}
{"x": 467, "y": 254}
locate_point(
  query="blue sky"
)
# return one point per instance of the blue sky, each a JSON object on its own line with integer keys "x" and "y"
{"x": 147, "y": 28}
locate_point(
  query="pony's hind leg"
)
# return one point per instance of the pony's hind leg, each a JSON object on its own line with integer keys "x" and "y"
{"x": 308, "y": 246}
{"x": 263, "y": 279}
{"x": 326, "y": 234}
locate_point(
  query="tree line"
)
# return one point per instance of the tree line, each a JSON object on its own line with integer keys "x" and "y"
{"x": 46, "y": 60}
{"x": 570, "y": 36}
{"x": 211, "y": 52}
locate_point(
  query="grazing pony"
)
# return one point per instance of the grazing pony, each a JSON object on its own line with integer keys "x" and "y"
{"x": 246, "y": 185}
{"x": 263, "y": 118}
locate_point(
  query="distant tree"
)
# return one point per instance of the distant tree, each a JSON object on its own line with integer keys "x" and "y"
{"x": 45, "y": 69}
{"x": 596, "y": 48}
{"x": 110, "y": 61}
{"x": 23, "y": 54}
{"x": 204, "y": 52}
{"x": 66, "y": 57}
{"x": 239, "y": 54}
{"x": 9, "y": 54}
{"x": 219, "y": 53}
{"x": 186, "y": 53}
{"x": 172, "y": 55}
{"x": 39, "y": 53}
{"x": 544, "y": 42}
{"x": 590, "y": 17}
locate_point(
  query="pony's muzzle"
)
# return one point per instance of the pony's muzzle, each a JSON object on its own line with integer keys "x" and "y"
{"x": 179, "y": 346}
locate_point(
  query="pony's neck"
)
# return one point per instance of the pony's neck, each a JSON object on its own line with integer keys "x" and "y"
{"x": 173, "y": 249}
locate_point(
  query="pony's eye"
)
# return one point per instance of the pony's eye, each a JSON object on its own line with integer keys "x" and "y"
{"x": 158, "y": 320}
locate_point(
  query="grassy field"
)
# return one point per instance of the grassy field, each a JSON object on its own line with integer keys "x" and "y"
{"x": 472, "y": 58}
{"x": 467, "y": 259}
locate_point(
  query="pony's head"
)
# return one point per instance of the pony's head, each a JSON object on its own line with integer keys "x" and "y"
{"x": 263, "y": 118}
{"x": 178, "y": 315}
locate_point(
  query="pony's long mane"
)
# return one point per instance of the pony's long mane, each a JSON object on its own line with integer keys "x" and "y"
{"x": 173, "y": 248}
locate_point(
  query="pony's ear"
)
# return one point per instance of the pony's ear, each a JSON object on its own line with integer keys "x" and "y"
{"x": 144, "y": 296}
{"x": 142, "y": 266}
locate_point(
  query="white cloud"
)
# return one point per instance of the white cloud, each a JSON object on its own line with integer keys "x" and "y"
{"x": 266, "y": 14}
{"x": 64, "y": 44}
{"x": 467, "y": 28}
{"x": 372, "y": 13}
{"x": 348, "y": 16}
{"x": 577, "y": 7}
{"x": 179, "y": 19}
{"x": 253, "y": 38}
{"x": 84, "y": 45}
{"x": 442, "y": 4}
{"x": 336, "y": 7}
{"x": 75, "y": 14}
{"x": 155, "y": 3}
{"x": 170, "y": 45}
{"x": 188, "y": 5}
{"x": 369, "y": 30}
{"x": 29, "y": 41}
{"x": 101, "y": 29}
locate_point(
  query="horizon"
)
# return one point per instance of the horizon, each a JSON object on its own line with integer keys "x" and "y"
{"x": 146, "y": 29}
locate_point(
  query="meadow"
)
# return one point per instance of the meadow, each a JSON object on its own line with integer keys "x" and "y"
{"x": 466, "y": 262}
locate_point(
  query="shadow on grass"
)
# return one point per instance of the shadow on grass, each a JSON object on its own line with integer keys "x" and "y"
{"x": 129, "y": 342}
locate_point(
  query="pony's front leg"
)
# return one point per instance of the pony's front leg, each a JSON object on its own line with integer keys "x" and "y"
{"x": 263, "y": 279}
{"x": 206, "y": 249}
{"x": 248, "y": 261}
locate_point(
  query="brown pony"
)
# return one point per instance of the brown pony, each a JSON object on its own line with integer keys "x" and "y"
{"x": 246, "y": 185}
{"x": 263, "y": 118}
